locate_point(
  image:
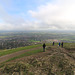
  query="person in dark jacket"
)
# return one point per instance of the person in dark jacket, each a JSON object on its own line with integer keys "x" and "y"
{"x": 53, "y": 43}
{"x": 44, "y": 47}
{"x": 62, "y": 44}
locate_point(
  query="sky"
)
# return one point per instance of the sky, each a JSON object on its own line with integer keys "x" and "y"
{"x": 37, "y": 15}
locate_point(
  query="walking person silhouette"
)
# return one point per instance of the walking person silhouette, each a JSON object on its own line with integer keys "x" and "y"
{"x": 62, "y": 44}
{"x": 44, "y": 47}
{"x": 53, "y": 43}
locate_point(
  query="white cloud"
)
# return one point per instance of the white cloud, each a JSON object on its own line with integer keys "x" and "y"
{"x": 15, "y": 22}
{"x": 59, "y": 14}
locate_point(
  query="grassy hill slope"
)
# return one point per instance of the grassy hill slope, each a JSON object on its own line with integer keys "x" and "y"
{"x": 55, "y": 61}
{"x": 6, "y": 52}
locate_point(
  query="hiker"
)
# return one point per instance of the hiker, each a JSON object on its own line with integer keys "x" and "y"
{"x": 59, "y": 43}
{"x": 44, "y": 47}
{"x": 62, "y": 44}
{"x": 53, "y": 43}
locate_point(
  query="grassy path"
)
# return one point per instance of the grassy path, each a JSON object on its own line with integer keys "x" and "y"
{"x": 9, "y": 56}
{"x": 6, "y": 52}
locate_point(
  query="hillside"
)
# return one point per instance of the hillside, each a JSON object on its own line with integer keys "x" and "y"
{"x": 55, "y": 61}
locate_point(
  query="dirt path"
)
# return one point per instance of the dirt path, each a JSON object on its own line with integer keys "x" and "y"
{"x": 50, "y": 52}
{"x": 6, "y": 57}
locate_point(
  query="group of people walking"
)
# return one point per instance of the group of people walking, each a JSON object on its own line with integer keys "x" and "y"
{"x": 59, "y": 44}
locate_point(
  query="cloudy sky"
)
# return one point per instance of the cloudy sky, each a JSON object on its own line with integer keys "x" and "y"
{"x": 37, "y": 14}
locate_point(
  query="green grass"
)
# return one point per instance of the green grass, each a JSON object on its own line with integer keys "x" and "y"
{"x": 5, "y": 36}
{"x": 69, "y": 45}
{"x": 26, "y": 54}
{"x": 5, "y": 52}
{"x": 71, "y": 40}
